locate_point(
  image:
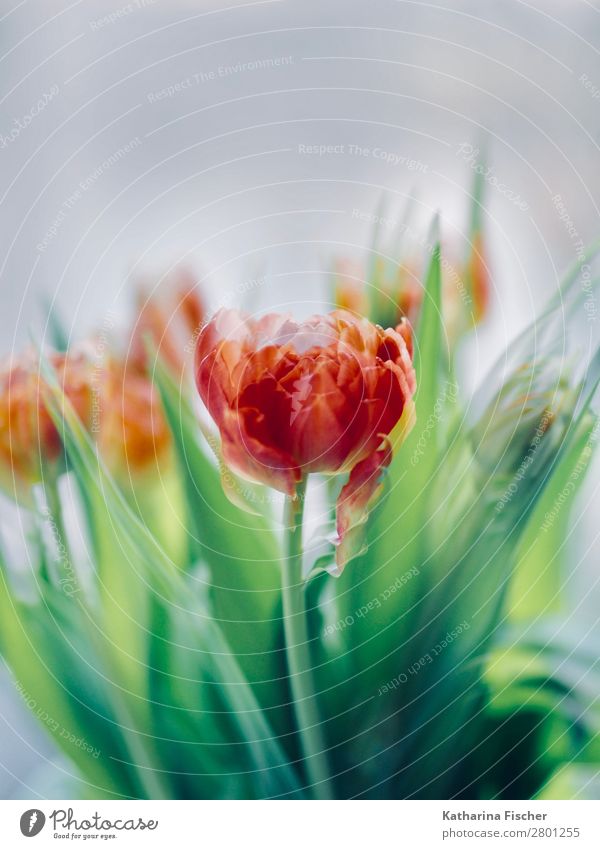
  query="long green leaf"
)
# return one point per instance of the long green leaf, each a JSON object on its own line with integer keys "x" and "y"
{"x": 242, "y": 554}
{"x": 33, "y": 647}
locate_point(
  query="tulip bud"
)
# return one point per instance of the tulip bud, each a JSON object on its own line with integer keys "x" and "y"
{"x": 524, "y": 424}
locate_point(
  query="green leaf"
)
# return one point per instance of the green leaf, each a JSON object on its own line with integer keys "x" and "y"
{"x": 389, "y": 580}
{"x": 241, "y": 551}
{"x": 573, "y": 781}
{"x": 477, "y": 196}
{"x": 399, "y": 236}
{"x": 59, "y": 335}
{"x": 542, "y": 554}
{"x": 46, "y": 674}
{"x": 474, "y": 590}
{"x": 429, "y": 354}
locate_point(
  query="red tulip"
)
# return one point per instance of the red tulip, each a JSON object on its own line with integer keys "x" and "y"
{"x": 321, "y": 395}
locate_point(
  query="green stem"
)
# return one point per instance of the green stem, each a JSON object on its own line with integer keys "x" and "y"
{"x": 64, "y": 570}
{"x": 298, "y": 654}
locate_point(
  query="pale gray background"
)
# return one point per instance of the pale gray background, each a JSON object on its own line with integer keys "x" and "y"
{"x": 218, "y": 177}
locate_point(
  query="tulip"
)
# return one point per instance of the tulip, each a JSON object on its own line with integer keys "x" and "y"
{"x": 349, "y": 287}
{"x": 135, "y": 443}
{"x": 332, "y": 394}
{"x": 117, "y": 405}
{"x": 29, "y": 440}
{"x": 171, "y": 319}
{"x": 294, "y": 398}
{"x": 133, "y": 434}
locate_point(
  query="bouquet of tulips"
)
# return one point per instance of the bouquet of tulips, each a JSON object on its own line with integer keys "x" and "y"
{"x": 270, "y": 558}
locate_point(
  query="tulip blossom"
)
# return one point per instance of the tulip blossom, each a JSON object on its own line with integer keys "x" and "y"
{"x": 324, "y": 395}
{"x": 118, "y": 406}
{"x": 29, "y": 439}
{"x": 133, "y": 434}
{"x": 349, "y": 286}
{"x": 171, "y": 318}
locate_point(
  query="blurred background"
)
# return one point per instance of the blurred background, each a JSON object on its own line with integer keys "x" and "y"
{"x": 254, "y": 141}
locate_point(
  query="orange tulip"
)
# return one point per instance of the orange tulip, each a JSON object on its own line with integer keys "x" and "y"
{"x": 292, "y": 398}
{"x": 408, "y": 293}
{"x": 133, "y": 434}
{"x": 28, "y": 436}
{"x": 171, "y": 318}
{"x": 117, "y": 405}
{"x": 350, "y": 289}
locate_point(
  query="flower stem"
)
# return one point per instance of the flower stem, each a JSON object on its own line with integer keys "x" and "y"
{"x": 59, "y": 532}
{"x": 298, "y": 654}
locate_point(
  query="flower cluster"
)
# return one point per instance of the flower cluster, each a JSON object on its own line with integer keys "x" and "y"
{"x": 185, "y": 588}
{"x": 114, "y": 398}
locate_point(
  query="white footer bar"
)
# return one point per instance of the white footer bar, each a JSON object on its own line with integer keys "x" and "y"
{"x": 305, "y": 825}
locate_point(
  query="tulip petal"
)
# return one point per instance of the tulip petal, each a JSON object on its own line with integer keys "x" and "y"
{"x": 355, "y": 502}
{"x": 256, "y": 460}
